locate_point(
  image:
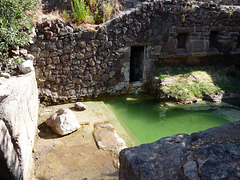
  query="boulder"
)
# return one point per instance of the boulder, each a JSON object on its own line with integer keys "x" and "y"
{"x": 209, "y": 154}
{"x": 80, "y": 106}
{"x": 18, "y": 123}
{"x": 63, "y": 122}
{"x": 26, "y": 67}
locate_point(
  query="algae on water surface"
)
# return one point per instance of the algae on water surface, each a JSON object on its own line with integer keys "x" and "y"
{"x": 148, "y": 120}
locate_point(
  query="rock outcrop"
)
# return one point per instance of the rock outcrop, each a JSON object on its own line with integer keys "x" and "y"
{"x": 209, "y": 154}
{"x": 63, "y": 122}
{"x": 18, "y": 121}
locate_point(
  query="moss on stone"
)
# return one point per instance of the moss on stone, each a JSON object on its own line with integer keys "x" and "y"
{"x": 190, "y": 83}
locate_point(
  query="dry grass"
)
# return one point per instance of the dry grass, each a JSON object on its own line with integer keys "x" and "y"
{"x": 109, "y": 10}
{"x": 89, "y": 27}
{"x": 39, "y": 17}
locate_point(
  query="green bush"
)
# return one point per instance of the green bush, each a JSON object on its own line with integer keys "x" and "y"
{"x": 90, "y": 11}
{"x": 14, "y": 24}
{"x": 80, "y": 11}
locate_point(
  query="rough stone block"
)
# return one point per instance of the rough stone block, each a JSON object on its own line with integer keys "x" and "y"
{"x": 44, "y": 54}
{"x": 107, "y": 138}
{"x": 196, "y": 46}
{"x": 63, "y": 121}
{"x": 18, "y": 113}
{"x": 172, "y": 45}
{"x": 184, "y": 29}
{"x": 225, "y": 45}
{"x": 208, "y": 154}
{"x": 156, "y": 50}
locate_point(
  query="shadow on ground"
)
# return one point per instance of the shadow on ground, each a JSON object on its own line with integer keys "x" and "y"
{"x": 46, "y": 132}
{"x": 111, "y": 175}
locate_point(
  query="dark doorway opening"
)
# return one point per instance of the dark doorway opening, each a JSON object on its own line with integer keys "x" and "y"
{"x": 213, "y": 39}
{"x": 238, "y": 41}
{"x": 182, "y": 40}
{"x": 136, "y": 63}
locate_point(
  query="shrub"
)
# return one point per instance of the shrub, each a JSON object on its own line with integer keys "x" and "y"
{"x": 93, "y": 4}
{"x": 80, "y": 11}
{"x": 95, "y": 13}
{"x": 92, "y": 11}
{"x": 14, "y": 24}
{"x": 107, "y": 9}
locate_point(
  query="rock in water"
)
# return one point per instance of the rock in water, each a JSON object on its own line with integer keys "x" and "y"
{"x": 26, "y": 67}
{"x": 63, "y": 122}
{"x": 80, "y": 106}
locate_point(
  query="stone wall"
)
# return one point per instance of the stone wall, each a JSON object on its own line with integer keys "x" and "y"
{"x": 18, "y": 121}
{"x": 51, "y": 5}
{"x": 76, "y": 62}
{"x": 61, "y": 5}
{"x": 224, "y": 2}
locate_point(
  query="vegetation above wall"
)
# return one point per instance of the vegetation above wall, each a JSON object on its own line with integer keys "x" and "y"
{"x": 191, "y": 83}
{"x": 15, "y": 22}
{"x": 91, "y": 11}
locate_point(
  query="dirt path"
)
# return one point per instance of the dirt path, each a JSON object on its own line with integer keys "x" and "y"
{"x": 74, "y": 156}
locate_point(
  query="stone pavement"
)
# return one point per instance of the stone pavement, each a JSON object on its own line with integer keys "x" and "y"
{"x": 74, "y": 156}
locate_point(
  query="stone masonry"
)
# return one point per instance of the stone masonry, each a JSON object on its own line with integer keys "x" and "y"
{"x": 50, "y": 5}
{"x": 75, "y": 63}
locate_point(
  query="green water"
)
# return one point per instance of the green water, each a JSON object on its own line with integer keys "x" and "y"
{"x": 148, "y": 120}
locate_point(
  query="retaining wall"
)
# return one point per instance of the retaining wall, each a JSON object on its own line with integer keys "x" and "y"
{"x": 51, "y": 5}
{"x": 74, "y": 62}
